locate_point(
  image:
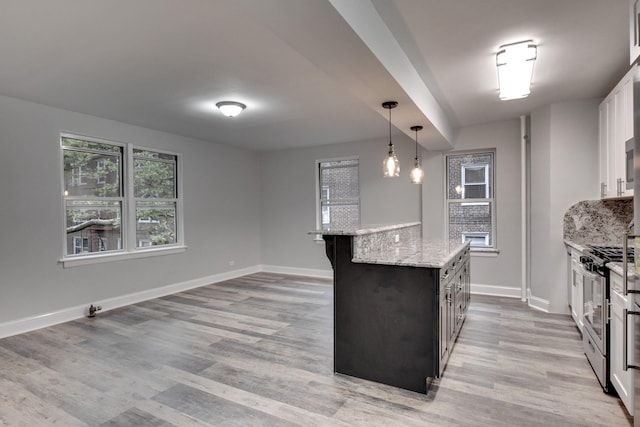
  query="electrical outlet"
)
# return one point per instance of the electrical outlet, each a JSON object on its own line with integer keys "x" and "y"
{"x": 397, "y": 238}
{"x": 232, "y": 263}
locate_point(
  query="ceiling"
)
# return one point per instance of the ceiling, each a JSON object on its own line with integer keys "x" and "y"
{"x": 311, "y": 72}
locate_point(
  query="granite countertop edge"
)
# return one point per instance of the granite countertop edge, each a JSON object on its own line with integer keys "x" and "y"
{"x": 370, "y": 229}
{"x": 422, "y": 253}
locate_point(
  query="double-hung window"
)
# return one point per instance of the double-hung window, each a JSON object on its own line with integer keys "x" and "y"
{"x": 338, "y": 204}
{"x": 470, "y": 199}
{"x": 126, "y": 199}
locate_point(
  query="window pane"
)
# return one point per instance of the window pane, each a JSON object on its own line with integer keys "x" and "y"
{"x": 90, "y": 145}
{"x": 93, "y": 226}
{"x": 154, "y": 179}
{"x": 153, "y": 155}
{"x": 471, "y": 162}
{"x": 340, "y": 182}
{"x": 339, "y": 194}
{"x": 475, "y": 192}
{"x": 92, "y": 175}
{"x": 474, "y": 174}
{"x": 470, "y": 218}
{"x": 155, "y": 223}
{"x": 340, "y": 217}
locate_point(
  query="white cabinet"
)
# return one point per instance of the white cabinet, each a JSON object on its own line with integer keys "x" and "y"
{"x": 622, "y": 380}
{"x": 616, "y": 128}
{"x": 576, "y": 285}
{"x": 634, "y": 30}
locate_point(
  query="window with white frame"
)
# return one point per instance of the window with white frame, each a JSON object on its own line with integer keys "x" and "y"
{"x": 105, "y": 212}
{"x": 470, "y": 198}
{"x": 339, "y": 195}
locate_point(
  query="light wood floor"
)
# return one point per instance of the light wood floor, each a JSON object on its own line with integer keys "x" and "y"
{"x": 258, "y": 350}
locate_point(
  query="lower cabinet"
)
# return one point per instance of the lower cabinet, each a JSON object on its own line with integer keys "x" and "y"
{"x": 576, "y": 285}
{"x": 622, "y": 380}
{"x": 455, "y": 295}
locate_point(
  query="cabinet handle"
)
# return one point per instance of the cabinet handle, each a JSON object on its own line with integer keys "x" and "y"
{"x": 603, "y": 189}
{"x": 625, "y": 261}
{"x": 625, "y": 313}
{"x": 620, "y": 184}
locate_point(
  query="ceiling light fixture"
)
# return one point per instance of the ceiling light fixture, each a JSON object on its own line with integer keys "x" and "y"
{"x": 230, "y": 108}
{"x": 515, "y": 69}
{"x": 390, "y": 163}
{"x": 417, "y": 174}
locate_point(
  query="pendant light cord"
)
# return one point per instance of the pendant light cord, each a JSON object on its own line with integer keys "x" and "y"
{"x": 390, "y": 144}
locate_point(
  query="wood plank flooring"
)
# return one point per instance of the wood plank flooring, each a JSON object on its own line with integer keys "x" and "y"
{"x": 258, "y": 350}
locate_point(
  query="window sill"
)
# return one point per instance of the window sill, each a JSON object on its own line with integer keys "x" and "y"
{"x": 119, "y": 256}
{"x": 485, "y": 253}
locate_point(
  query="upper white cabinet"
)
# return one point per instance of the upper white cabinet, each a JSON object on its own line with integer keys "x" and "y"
{"x": 616, "y": 128}
{"x": 634, "y": 30}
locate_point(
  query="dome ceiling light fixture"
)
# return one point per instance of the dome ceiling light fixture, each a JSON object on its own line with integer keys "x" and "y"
{"x": 230, "y": 108}
{"x": 417, "y": 174}
{"x": 390, "y": 164}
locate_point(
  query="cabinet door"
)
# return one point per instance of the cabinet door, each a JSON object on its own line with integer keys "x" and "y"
{"x": 608, "y": 185}
{"x": 622, "y": 380}
{"x": 576, "y": 293}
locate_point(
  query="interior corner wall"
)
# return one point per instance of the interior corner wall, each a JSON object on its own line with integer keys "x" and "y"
{"x": 499, "y": 274}
{"x": 288, "y": 209}
{"x": 221, "y": 213}
{"x": 564, "y": 170}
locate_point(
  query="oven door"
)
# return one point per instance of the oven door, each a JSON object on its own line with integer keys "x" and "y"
{"x": 595, "y": 309}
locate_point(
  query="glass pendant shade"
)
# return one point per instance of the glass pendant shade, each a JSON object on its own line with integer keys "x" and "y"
{"x": 417, "y": 174}
{"x": 390, "y": 164}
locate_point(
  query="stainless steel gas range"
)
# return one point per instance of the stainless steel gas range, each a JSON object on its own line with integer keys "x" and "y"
{"x": 596, "y": 307}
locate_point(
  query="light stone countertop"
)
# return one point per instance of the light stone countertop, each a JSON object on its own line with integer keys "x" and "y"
{"x": 617, "y": 268}
{"x": 364, "y": 230}
{"x": 431, "y": 253}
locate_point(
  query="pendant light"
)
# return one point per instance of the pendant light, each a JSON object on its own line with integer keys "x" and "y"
{"x": 390, "y": 164}
{"x": 417, "y": 174}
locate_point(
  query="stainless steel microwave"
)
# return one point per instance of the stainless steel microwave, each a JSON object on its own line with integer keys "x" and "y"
{"x": 629, "y": 163}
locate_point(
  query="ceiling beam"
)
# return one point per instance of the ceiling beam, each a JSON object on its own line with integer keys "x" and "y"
{"x": 365, "y": 21}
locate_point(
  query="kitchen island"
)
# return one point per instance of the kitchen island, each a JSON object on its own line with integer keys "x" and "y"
{"x": 399, "y": 303}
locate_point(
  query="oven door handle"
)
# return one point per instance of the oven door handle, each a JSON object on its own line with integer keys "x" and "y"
{"x": 625, "y": 314}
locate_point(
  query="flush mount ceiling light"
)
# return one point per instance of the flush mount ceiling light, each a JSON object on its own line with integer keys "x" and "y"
{"x": 230, "y": 108}
{"x": 417, "y": 174}
{"x": 390, "y": 163}
{"x": 515, "y": 69}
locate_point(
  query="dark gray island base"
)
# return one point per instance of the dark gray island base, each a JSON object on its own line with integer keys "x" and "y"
{"x": 399, "y": 304}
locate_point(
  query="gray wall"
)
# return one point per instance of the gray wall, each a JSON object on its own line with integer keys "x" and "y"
{"x": 221, "y": 209}
{"x": 564, "y": 170}
{"x": 502, "y": 270}
{"x": 288, "y": 197}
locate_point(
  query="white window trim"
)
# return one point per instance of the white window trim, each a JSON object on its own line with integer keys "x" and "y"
{"x": 128, "y": 247}
{"x": 483, "y": 251}
{"x": 318, "y": 237}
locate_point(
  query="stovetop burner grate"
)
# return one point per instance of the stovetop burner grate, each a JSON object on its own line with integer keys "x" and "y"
{"x": 611, "y": 253}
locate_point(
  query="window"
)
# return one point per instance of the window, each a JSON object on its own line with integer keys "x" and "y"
{"x": 339, "y": 195}
{"x": 104, "y": 211}
{"x": 470, "y": 200}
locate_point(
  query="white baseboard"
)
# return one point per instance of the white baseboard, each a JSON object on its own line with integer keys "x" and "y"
{"x": 279, "y": 269}
{"x": 72, "y": 313}
{"x": 538, "y": 303}
{"x": 498, "y": 291}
